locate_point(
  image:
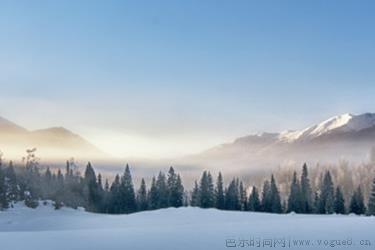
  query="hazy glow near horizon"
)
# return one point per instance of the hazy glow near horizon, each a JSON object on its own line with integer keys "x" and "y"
{"x": 172, "y": 77}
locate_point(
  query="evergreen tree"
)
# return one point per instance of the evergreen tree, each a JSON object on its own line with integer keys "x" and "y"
{"x": 357, "y": 205}
{"x": 100, "y": 182}
{"x": 129, "y": 204}
{"x": 206, "y": 191}
{"x": 339, "y": 201}
{"x": 142, "y": 196}
{"x": 254, "y": 202}
{"x": 60, "y": 177}
{"x": 294, "y": 199}
{"x": 115, "y": 197}
{"x": 316, "y": 206}
{"x": 101, "y": 206}
{"x": 11, "y": 179}
{"x": 306, "y": 192}
{"x": 73, "y": 190}
{"x": 266, "y": 197}
{"x": 68, "y": 172}
{"x": 153, "y": 195}
{"x": 195, "y": 200}
{"x": 162, "y": 190}
{"x": 326, "y": 204}
{"x": 243, "y": 198}
{"x": 175, "y": 189}
{"x": 31, "y": 186}
{"x": 179, "y": 193}
{"x": 106, "y": 198}
{"x": 275, "y": 197}
{"x": 58, "y": 196}
{"x": 219, "y": 193}
{"x": 48, "y": 176}
{"x": 371, "y": 201}
{"x": 211, "y": 189}
{"x": 106, "y": 186}
{"x": 232, "y": 199}
{"x": 91, "y": 188}
{"x": 4, "y": 203}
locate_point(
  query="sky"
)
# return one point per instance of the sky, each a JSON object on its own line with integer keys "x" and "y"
{"x": 158, "y": 79}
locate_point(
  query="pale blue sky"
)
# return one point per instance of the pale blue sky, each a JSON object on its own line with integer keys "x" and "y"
{"x": 164, "y": 78}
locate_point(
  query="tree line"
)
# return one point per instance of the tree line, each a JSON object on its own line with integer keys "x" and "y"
{"x": 88, "y": 190}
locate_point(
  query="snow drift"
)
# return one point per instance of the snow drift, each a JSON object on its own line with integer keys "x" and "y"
{"x": 179, "y": 229}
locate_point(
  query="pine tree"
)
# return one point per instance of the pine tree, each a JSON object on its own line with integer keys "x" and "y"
{"x": 4, "y": 203}
{"x": 11, "y": 179}
{"x": 211, "y": 189}
{"x": 339, "y": 202}
{"x": 194, "y": 202}
{"x": 60, "y": 177}
{"x": 326, "y": 205}
{"x": 232, "y": 199}
{"x": 153, "y": 195}
{"x": 294, "y": 199}
{"x": 58, "y": 196}
{"x": 219, "y": 193}
{"x": 101, "y": 194}
{"x": 275, "y": 197}
{"x": 254, "y": 202}
{"x": 106, "y": 198}
{"x": 206, "y": 191}
{"x": 100, "y": 182}
{"x": 129, "y": 204}
{"x": 115, "y": 197}
{"x": 68, "y": 172}
{"x": 243, "y": 198}
{"x": 371, "y": 201}
{"x": 266, "y": 203}
{"x": 106, "y": 186}
{"x": 175, "y": 189}
{"x": 142, "y": 196}
{"x": 32, "y": 188}
{"x": 316, "y": 206}
{"x": 48, "y": 176}
{"x": 162, "y": 190}
{"x": 91, "y": 188}
{"x": 306, "y": 192}
{"x": 357, "y": 205}
{"x": 179, "y": 192}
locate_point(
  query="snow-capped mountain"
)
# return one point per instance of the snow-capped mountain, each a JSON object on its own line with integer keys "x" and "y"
{"x": 349, "y": 137}
{"x": 337, "y": 124}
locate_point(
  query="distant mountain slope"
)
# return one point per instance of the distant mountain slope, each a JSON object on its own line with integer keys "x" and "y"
{"x": 346, "y": 136}
{"x": 51, "y": 143}
{"x": 7, "y": 126}
{"x": 335, "y": 125}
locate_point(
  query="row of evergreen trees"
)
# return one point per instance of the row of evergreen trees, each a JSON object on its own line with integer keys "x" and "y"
{"x": 326, "y": 200}
{"x": 88, "y": 190}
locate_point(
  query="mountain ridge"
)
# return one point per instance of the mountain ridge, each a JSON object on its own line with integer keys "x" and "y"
{"x": 51, "y": 143}
{"x": 347, "y": 136}
{"x": 341, "y": 123}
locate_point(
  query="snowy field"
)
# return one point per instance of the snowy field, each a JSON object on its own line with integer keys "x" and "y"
{"x": 23, "y": 228}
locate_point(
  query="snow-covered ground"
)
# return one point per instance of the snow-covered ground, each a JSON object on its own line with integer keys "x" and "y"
{"x": 23, "y": 228}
